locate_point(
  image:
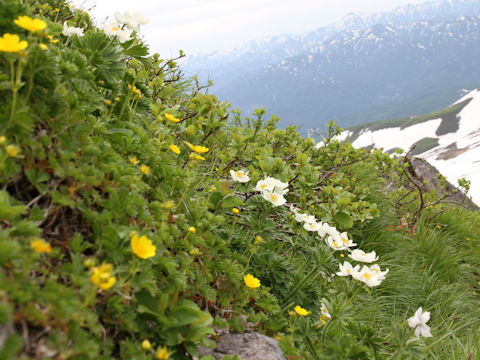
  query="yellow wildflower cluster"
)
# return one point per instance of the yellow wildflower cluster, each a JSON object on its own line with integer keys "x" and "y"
{"x": 194, "y": 156}
{"x": 301, "y": 311}
{"x": 145, "y": 169}
{"x": 30, "y": 24}
{"x": 197, "y": 148}
{"x": 137, "y": 92}
{"x": 142, "y": 246}
{"x": 102, "y": 276}
{"x": 171, "y": 118}
{"x": 40, "y": 246}
{"x": 174, "y": 148}
{"x": 11, "y": 43}
{"x": 163, "y": 354}
{"x": 251, "y": 281}
{"x": 133, "y": 160}
{"x": 146, "y": 345}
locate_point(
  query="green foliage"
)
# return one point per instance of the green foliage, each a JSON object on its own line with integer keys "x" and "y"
{"x": 102, "y": 146}
{"x": 424, "y": 145}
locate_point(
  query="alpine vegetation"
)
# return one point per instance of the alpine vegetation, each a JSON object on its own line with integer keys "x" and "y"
{"x": 141, "y": 217}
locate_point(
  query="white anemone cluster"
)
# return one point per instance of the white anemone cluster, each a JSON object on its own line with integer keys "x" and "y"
{"x": 125, "y": 25}
{"x": 71, "y": 30}
{"x": 132, "y": 21}
{"x": 272, "y": 190}
{"x": 116, "y": 29}
{"x": 338, "y": 241}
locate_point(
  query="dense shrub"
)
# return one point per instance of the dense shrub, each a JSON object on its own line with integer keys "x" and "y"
{"x": 133, "y": 223}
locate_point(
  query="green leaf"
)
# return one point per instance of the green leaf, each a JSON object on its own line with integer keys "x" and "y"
{"x": 344, "y": 220}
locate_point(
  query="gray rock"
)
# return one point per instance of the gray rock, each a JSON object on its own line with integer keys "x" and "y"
{"x": 426, "y": 175}
{"x": 250, "y": 346}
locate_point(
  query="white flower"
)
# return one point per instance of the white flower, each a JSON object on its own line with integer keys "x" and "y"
{"x": 325, "y": 229}
{"x": 293, "y": 209}
{"x": 305, "y": 218}
{"x": 70, "y": 30}
{"x": 133, "y": 22}
{"x": 367, "y": 276}
{"x": 271, "y": 184}
{"x": 346, "y": 269}
{"x": 115, "y": 29}
{"x": 381, "y": 275}
{"x": 240, "y": 176}
{"x": 324, "y": 311}
{"x": 312, "y": 226}
{"x": 275, "y": 199}
{"x": 335, "y": 243}
{"x": 360, "y": 255}
{"x": 346, "y": 241}
{"x": 419, "y": 323}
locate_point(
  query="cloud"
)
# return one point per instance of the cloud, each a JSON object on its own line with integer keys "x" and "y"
{"x": 206, "y": 25}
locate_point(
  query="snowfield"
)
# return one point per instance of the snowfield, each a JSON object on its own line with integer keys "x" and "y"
{"x": 457, "y": 154}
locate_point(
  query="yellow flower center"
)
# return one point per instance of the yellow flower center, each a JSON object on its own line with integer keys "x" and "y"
{"x": 367, "y": 276}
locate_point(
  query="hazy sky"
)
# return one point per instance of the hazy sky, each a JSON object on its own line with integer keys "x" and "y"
{"x": 208, "y": 25}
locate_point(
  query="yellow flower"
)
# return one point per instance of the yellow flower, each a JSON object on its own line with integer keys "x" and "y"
{"x": 117, "y": 98}
{"x": 194, "y": 156}
{"x": 145, "y": 169}
{"x": 30, "y": 24}
{"x": 43, "y": 46}
{"x": 171, "y": 118}
{"x": 174, "y": 148}
{"x": 197, "y": 148}
{"x": 301, "y": 311}
{"x": 54, "y": 41}
{"x": 11, "y": 43}
{"x": 89, "y": 262}
{"x": 101, "y": 82}
{"x": 235, "y": 210}
{"x": 102, "y": 276}
{"x": 258, "y": 239}
{"x": 192, "y": 230}
{"x": 168, "y": 204}
{"x": 3, "y": 139}
{"x": 162, "y": 353}
{"x": 468, "y": 238}
{"x": 251, "y": 281}
{"x": 146, "y": 345}
{"x": 56, "y": 10}
{"x": 142, "y": 246}
{"x": 12, "y": 150}
{"x": 40, "y": 246}
{"x": 107, "y": 102}
{"x": 341, "y": 255}
{"x": 194, "y": 252}
{"x": 212, "y": 189}
{"x": 134, "y": 160}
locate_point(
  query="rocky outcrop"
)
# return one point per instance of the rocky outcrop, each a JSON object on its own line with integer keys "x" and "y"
{"x": 427, "y": 177}
{"x": 249, "y": 346}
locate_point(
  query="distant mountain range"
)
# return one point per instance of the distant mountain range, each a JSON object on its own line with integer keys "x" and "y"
{"x": 411, "y": 60}
{"x": 448, "y": 139}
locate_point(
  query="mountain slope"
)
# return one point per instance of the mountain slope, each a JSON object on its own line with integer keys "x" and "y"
{"x": 448, "y": 139}
{"x": 361, "y": 69}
